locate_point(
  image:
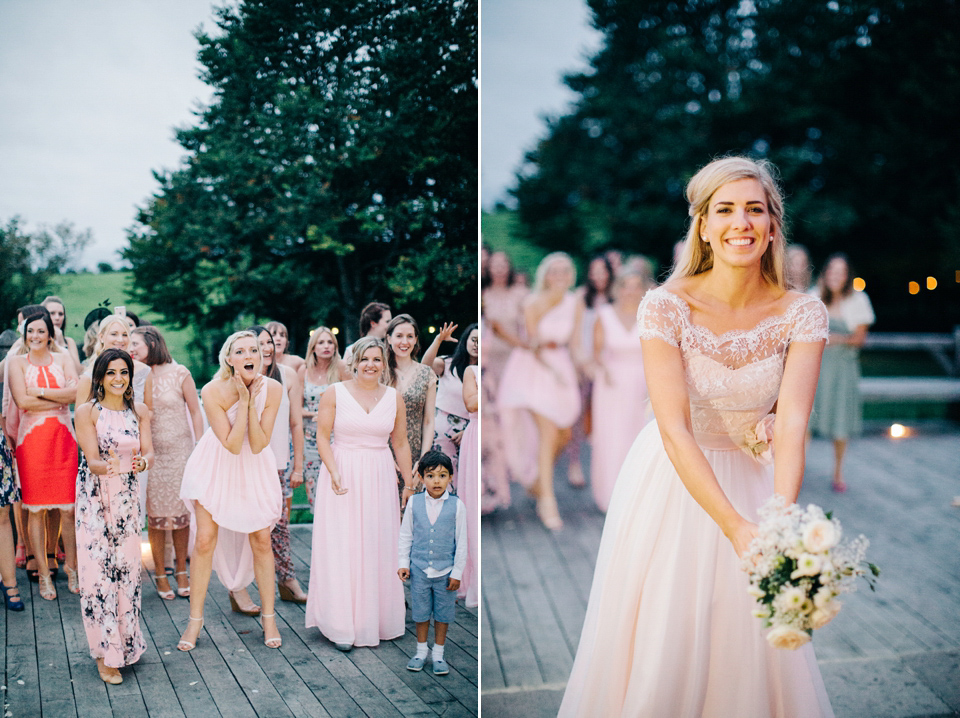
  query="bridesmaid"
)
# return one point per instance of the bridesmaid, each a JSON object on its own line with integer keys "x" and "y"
{"x": 355, "y": 598}
{"x": 416, "y": 383}
{"x": 451, "y": 415}
{"x": 281, "y": 342}
{"x": 177, "y": 423}
{"x": 114, "y": 435}
{"x": 838, "y": 408}
{"x": 619, "y": 391}
{"x": 114, "y": 333}
{"x": 470, "y": 486}
{"x": 43, "y": 384}
{"x": 230, "y": 480}
{"x": 58, "y": 314}
{"x": 322, "y": 368}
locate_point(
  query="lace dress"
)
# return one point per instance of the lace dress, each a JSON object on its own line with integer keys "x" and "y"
{"x": 108, "y": 545}
{"x": 415, "y": 402}
{"x": 172, "y": 443}
{"x": 669, "y": 629}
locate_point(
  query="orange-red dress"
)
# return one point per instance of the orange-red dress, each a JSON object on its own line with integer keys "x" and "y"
{"x": 47, "y": 447}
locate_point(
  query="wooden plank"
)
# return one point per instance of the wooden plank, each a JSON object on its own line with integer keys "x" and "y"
{"x": 492, "y": 677}
{"x": 405, "y": 700}
{"x": 460, "y": 683}
{"x": 23, "y": 680}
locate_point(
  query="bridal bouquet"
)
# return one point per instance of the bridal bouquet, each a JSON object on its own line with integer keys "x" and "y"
{"x": 798, "y": 567}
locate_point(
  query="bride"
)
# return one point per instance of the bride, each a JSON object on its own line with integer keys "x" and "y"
{"x": 669, "y": 629}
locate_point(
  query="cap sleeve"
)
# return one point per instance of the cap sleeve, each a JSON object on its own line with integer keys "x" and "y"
{"x": 810, "y": 322}
{"x": 660, "y": 316}
{"x": 857, "y": 310}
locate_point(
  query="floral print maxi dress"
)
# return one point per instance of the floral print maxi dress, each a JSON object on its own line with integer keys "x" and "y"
{"x": 108, "y": 545}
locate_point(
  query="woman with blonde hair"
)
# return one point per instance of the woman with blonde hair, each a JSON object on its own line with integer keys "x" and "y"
{"x": 322, "y": 367}
{"x": 230, "y": 480}
{"x": 723, "y": 341}
{"x": 114, "y": 333}
{"x": 542, "y": 379}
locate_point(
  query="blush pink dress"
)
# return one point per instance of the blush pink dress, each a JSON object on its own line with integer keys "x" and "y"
{"x": 620, "y": 406}
{"x": 469, "y": 493}
{"x": 355, "y": 595}
{"x": 240, "y": 491}
{"x": 528, "y": 385}
{"x": 669, "y": 628}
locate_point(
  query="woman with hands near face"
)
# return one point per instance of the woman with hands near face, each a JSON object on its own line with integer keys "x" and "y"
{"x": 230, "y": 480}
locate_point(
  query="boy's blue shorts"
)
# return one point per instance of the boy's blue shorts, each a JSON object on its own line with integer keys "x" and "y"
{"x": 429, "y": 596}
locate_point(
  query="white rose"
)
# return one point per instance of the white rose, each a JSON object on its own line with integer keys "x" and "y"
{"x": 807, "y": 565}
{"x": 787, "y": 637}
{"x": 822, "y": 616}
{"x": 755, "y": 591}
{"x": 819, "y": 536}
{"x": 790, "y": 599}
{"x": 823, "y": 597}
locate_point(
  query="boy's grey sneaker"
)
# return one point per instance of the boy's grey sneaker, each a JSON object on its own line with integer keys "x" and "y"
{"x": 415, "y": 664}
{"x": 440, "y": 668}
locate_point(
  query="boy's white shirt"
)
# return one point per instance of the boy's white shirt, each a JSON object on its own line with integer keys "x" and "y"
{"x": 434, "y": 506}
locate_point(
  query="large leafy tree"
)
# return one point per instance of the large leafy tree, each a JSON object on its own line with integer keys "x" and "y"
{"x": 29, "y": 259}
{"x": 336, "y": 164}
{"x": 854, "y": 100}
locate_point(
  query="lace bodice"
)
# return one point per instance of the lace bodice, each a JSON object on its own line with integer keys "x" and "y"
{"x": 733, "y": 379}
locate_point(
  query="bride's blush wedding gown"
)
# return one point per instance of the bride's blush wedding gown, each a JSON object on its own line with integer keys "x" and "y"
{"x": 669, "y": 629}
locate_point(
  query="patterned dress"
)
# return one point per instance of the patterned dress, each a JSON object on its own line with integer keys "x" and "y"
{"x": 311, "y": 459}
{"x": 9, "y": 488}
{"x": 108, "y": 545}
{"x": 172, "y": 443}
{"x": 415, "y": 402}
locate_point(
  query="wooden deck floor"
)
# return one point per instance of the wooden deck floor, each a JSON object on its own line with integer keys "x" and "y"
{"x": 890, "y": 654}
{"x": 48, "y": 670}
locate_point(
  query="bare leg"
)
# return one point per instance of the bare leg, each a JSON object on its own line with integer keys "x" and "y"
{"x": 181, "y": 539}
{"x": 263, "y": 570}
{"x": 53, "y": 535}
{"x": 36, "y": 528}
{"x": 68, "y": 526}
{"x": 158, "y": 544}
{"x": 202, "y": 566}
{"x": 839, "y": 449}
{"x": 20, "y": 523}
{"x": 8, "y": 566}
{"x": 546, "y": 498}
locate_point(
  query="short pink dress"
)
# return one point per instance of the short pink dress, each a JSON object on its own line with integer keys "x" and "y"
{"x": 620, "y": 405}
{"x": 355, "y": 596}
{"x": 527, "y": 385}
{"x": 469, "y": 493}
{"x": 240, "y": 491}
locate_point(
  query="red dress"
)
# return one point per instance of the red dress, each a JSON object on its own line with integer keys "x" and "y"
{"x": 46, "y": 446}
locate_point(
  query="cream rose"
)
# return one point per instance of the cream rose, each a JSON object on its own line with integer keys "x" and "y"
{"x": 807, "y": 565}
{"x": 823, "y": 615}
{"x": 820, "y": 536}
{"x": 787, "y": 637}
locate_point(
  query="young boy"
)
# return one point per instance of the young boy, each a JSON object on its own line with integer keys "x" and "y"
{"x": 433, "y": 537}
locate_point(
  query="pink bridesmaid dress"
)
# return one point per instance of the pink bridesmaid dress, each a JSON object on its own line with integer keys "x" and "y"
{"x": 240, "y": 491}
{"x": 620, "y": 406}
{"x": 355, "y": 596}
{"x": 469, "y": 493}
{"x": 551, "y": 391}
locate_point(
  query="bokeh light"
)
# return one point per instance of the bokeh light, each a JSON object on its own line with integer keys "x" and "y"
{"x": 914, "y": 288}
{"x": 898, "y": 431}
{"x": 859, "y": 285}
{"x": 931, "y": 282}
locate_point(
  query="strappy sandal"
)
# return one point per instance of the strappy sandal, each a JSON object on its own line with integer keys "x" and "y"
{"x": 13, "y": 603}
{"x": 270, "y": 642}
{"x": 73, "y": 580}
{"x": 182, "y": 591}
{"x": 32, "y": 573}
{"x": 184, "y": 645}
{"x": 54, "y": 566}
{"x": 167, "y": 595}
{"x": 48, "y": 592}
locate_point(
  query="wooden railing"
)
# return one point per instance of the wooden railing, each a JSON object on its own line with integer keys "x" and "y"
{"x": 944, "y": 348}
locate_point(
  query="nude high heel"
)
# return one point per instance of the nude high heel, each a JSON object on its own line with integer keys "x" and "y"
{"x": 270, "y": 642}
{"x": 184, "y": 645}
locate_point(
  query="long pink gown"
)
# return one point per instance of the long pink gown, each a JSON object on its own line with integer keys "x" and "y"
{"x": 620, "y": 406}
{"x": 669, "y": 629}
{"x": 355, "y": 596}
{"x": 530, "y": 386}
{"x": 108, "y": 524}
{"x": 469, "y": 493}
{"x": 240, "y": 491}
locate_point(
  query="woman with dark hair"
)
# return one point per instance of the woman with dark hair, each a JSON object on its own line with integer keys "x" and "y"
{"x": 281, "y": 342}
{"x": 838, "y": 408}
{"x": 177, "y": 424}
{"x": 374, "y": 319}
{"x": 114, "y": 434}
{"x": 322, "y": 368}
{"x": 230, "y": 481}
{"x": 452, "y": 416}
{"x": 58, "y": 314}
{"x": 43, "y": 385}
{"x": 415, "y": 381}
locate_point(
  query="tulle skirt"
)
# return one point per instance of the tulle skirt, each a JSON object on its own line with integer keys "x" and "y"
{"x": 669, "y": 629}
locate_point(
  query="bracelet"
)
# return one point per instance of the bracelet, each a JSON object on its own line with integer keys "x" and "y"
{"x": 408, "y": 488}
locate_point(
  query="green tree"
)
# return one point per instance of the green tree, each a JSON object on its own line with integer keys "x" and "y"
{"x": 31, "y": 259}
{"x": 336, "y": 164}
{"x": 837, "y": 94}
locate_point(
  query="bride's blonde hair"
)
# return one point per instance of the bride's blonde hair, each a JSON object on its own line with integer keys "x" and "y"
{"x": 696, "y": 256}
